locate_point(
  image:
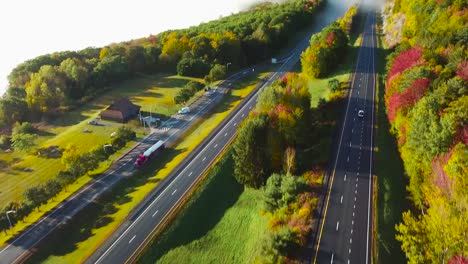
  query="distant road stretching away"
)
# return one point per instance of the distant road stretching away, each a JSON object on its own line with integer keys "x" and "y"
{"x": 131, "y": 237}
{"x": 345, "y": 232}
{"x": 125, "y": 245}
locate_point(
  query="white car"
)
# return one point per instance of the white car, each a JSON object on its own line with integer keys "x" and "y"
{"x": 360, "y": 113}
{"x": 184, "y": 110}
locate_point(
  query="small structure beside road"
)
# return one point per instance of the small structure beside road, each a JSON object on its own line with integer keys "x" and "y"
{"x": 121, "y": 111}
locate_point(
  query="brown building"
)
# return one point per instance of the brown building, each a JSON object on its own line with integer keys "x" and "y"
{"x": 120, "y": 111}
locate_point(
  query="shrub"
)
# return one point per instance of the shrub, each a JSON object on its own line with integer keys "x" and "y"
{"x": 5, "y": 141}
{"x": 192, "y": 67}
{"x": 23, "y": 128}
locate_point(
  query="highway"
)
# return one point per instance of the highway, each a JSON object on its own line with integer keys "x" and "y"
{"x": 134, "y": 234}
{"x": 138, "y": 231}
{"x": 345, "y": 231}
{"x": 125, "y": 245}
{"x": 22, "y": 246}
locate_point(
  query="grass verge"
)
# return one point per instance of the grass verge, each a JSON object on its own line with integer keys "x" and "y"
{"x": 391, "y": 181}
{"x": 78, "y": 239}
{"x": 221, "y": 223}
{"x": 152, "y": 92}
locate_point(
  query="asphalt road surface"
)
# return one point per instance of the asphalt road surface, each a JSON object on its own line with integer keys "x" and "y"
{"x": 131, "y": 237}
{"x": 346, "y": 228}
{"x": 24, "y": 244}
{"x": 125, "y": 245}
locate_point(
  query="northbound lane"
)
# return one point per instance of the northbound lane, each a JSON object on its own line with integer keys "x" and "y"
{"x": 345, "y": 230}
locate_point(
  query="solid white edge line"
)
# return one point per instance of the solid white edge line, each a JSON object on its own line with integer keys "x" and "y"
{"x": 175, "y": 179}
{"x": 372, "y": 145}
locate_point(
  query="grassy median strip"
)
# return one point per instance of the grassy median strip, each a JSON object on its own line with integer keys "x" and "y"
{"x": 391, "y": 181}
{"x": 78, "y": 239}
{"x": 220, "y": 224}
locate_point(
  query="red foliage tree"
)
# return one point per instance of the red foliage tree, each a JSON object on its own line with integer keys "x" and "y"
{"x": 330, "y": 38}
{"x": 407, "y": 98}
{"x": 458, "y": 260}
{"x": 462, "y": 70}
{"x": 406, "y": 60}
{"x": 441, "y": 179}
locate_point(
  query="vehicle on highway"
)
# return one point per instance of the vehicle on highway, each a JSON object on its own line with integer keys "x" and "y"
{"x": 93, "y": 122}
{"x": 152, "y": 151}
{"x": 361, "y": 113}
{"x": 184, "y": 110}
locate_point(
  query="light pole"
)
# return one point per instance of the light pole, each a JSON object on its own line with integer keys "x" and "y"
{"x": 8, "y": 217}
{"x": 227, "y": 66}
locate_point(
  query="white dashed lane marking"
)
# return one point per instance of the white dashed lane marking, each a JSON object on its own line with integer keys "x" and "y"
{"x": 215, "y": 145}
{"x": 341, "y": 200}
{"x": 337, "y": 225}
{"x": 174, "y": 192}
{"x": 190, "y": 173}
{"x": 131, "y": 240}
{"x": 155, "y": 213}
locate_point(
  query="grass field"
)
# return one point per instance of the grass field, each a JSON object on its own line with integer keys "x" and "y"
{"x": 391, "y": 181}
{"x": 88, "y": 230}
{"x": 153, "y": 93}
{"x": 220, "y": 224}
{"x": 318, "y": 88}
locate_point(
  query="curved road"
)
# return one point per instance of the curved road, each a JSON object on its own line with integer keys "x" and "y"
{"x": 345, "y": 233}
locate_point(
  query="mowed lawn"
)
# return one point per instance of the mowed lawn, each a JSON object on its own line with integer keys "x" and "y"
{"x": 20, "y": 171}
{"x": 221, "y": 224}
{"x": 90, "y": 232}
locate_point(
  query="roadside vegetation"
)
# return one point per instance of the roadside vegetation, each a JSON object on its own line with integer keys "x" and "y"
{"x": 43, "y": 171}
{"x": 426, "y": 99}
{"x": 56, "y": 92}
{"x": 82, "y": 235}
{"x": 278, "y": 159}
{"x": 392, "y": 198}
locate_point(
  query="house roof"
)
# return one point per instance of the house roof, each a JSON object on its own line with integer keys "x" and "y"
{"x": 124, "y": 105}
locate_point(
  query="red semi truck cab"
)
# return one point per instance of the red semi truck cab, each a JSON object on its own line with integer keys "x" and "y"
{"x": 152, "y": 151}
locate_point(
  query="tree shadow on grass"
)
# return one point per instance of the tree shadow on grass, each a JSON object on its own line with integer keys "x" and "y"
{"x": 65, "y": 239}
{"x": 206, "y": 207}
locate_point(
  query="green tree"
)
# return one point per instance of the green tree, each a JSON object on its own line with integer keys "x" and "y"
{"x": 251, "y": 163}
{"x": 23, "y": 142}
{"x": 334, "y": 85}
{"x": 70, "y": 155}
{"x": 46, "y": 89}
{"x": 36, "y": 195}
{"x": 52, "y": 187}
{"x": 218, "y": 72}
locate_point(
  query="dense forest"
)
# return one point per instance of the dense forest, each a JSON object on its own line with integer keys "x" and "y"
{"x": 426, "y": 96}
{"x": 55, "y": 82}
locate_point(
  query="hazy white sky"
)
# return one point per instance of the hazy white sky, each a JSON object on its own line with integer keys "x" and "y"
{"x": 29, "y": 28}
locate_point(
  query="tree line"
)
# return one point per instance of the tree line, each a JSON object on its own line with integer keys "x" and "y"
{"x": 76, "y": 166}
{"x": 55, "y": 82}
{"x": 276, "y": 150}
{"x": 426, "y": 97}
